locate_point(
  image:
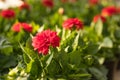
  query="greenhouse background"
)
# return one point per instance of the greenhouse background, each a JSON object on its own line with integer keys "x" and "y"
{"x": 59, "y": 39}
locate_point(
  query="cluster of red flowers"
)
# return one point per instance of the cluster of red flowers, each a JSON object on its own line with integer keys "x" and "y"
{"x": 18, "y": 26}
{"x": 8, "y": 14}
{"x": 73, "y": 23}
{"x": 43, "y": 40}
{"x": 48, "y": 3}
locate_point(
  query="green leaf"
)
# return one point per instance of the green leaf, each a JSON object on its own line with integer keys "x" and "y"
{"x": 117, "y": 34}
{"x": 92, "y": 48}
{"x": 32, "y": 68}
{"x": 65, "y": 34}
{"x": 29, "y": 53}
{"x": 28, "y": 43}
{"x": 76, "y": 41}
{"x": 68, "y": 40}
{"x": 79, "y": 75}
{"x": 7, "y": 50}
{"x": 36, "y": 27}
{"x": 54, "y": 69}
{"x": 99, "y": 27}
{"x": 107, "y": 42}
{"x": 89, "y": 60}
{"x": 63, "y": 59}
{"x": 29, "y": 66}
{"x": 49, "y": 60}
{"x": 7, "y": 61}
{"x": 60, "y": 79}
{"x": 75, "y": 57}
{"x": 5, "y": 46}
{"x": 99, "y": 75}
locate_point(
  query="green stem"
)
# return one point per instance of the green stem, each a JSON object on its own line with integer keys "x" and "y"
{"x": 25, "y": 51}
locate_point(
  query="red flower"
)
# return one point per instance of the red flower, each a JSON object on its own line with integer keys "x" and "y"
{"x": 48, "y": 3}
{"x": 43, "y": 40}
{"x": 18, "y": 26}
{"x": 109, "y": 11}
{"x": 24, "y": 6}
{"x": 73, "y": 22}
{"x": 97, "y": 17}
{"x": 26, "y": 27}
{"x": 8, "y": 14}
{"x": 93, "y": 2}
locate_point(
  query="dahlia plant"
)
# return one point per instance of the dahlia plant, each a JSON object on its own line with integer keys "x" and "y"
{"x": 59, "y": 40}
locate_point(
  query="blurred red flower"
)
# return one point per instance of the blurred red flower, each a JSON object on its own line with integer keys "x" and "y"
{"x": 93, "y": 2}
{"x": 24, "y": 6}
{"x": 43, "y": 40}
{"x": 109, "y": 11}
{"x": 97, "y": 17}
{"x": 18, "y": 26}
{"x": 48, "y": 3}
{"x": 73, "y": 22}
{"x": 8, "y": 14}
{"x": 26, "y": 27}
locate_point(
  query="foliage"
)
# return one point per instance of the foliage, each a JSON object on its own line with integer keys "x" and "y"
{"x": 81, "y": 53}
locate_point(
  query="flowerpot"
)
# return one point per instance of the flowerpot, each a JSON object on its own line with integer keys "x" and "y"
{"x": 116, "y": 70}
{"x": 113, "y": 69}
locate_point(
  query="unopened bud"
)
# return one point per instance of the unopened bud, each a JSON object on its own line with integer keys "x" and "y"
{"x": 13, "y": 72}
{"x": 61, "y": 11}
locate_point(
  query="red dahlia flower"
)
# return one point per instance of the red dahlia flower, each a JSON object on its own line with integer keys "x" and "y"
{"x": 18, "y": 26}
{"x": 73, "y": 22}
{"x": 8, "y": 14}
{"x": 43, "y": 40}
{"x": 109, "y": 11}
{"x": 24, "y": 6}
{"x": 97, "y": 17}
{"x": 48, "y": 3}
{"x": 26, "y": 27}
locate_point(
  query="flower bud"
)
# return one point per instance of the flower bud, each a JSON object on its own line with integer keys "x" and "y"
{"x": 61, "y": 10}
